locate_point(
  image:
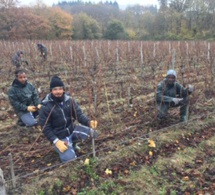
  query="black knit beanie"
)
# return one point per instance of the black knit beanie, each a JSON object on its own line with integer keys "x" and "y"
{"x": 56, "y": 82}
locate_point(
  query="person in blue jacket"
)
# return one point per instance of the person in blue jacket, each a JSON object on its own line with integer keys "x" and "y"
{"x": 57, "y": 119}
{"x": 171, "y": 94}
{"x": 24, "y": 99}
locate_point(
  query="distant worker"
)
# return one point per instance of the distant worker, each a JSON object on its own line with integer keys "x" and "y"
{"x": 43, "y": 50}
{"x": 18, "y": 59}
{"x": 24, "y": 99}
{"x": 57, "y": 119}
{"x": 171, "y": 94}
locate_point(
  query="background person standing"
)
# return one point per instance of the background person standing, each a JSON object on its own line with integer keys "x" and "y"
{"x": 43, "y": 50}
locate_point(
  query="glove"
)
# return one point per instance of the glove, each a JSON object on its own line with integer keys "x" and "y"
{"x": 31, "y": 109}
{"x": 190, "y": 88}
{"x": 61, "y": 146}
{"x": 39, "y": 106}
{"x": 177, "y": 100}
{"x": 93, "y": 124}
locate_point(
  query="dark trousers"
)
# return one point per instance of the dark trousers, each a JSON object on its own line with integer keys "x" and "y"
{"x": 163, "y": 108}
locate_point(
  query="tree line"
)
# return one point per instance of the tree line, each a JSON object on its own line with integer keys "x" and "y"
{"x": 173, "y": 20}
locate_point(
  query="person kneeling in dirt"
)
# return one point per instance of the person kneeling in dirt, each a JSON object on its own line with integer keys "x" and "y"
{"x": 56, "y": 118}
{"x": 18, "y": 59}
{"x": 24, "y": 99}
{"x": 43, "y": 50}
{"x": 171, "y": 94}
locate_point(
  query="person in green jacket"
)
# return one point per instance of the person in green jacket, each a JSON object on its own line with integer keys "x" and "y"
{"x": 171, "y": 94}
{"x": 24, "y": 99}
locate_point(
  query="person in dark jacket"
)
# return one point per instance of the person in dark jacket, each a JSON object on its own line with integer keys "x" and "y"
{"x": 43, "y": 50}
{"x": 18, "y": 59}
{"x": 171, "y": 94}
{"x": 24, "y": 99}
{"x": 57, "y": 120}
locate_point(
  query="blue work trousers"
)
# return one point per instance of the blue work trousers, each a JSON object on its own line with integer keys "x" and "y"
{"x": 80, "y": 133}
{"x": 29, "y": 119}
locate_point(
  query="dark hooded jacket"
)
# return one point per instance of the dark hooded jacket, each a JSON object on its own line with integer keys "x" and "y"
{"x": 165, "y": 92}
{"x": 42, "y": 48}
{"x": 21, "y": 96}
{"x": 17, "y": 60}
{"x": 57, "y": 120}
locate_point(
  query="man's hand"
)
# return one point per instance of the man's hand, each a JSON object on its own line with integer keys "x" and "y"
{"x": 32, "y": 108}
{"x": 177, "y": 100}
{"x": 39, "y": 106}
{"x": 61, "y": 146}
{"x": 190, "y": 88}
{"x": 93, "y": 124}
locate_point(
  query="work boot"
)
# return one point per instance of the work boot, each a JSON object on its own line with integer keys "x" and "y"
{"x": 161, "y": 118}
{"x": 183, "y": 119}
{"x": 20, "y": 123}
{"x": 184, "y": 113}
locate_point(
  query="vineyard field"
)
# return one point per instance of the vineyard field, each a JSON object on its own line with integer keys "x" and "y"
{"x": 115, "y": 83}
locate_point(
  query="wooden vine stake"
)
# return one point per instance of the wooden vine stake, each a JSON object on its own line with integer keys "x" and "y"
{"x": 50, "y": 48}
{"x": 154, "y": 50}
{"x": 173, "y": 59}
{"x": 93, "y": 146}
{"x": 2, "y": 183}
{"x": 71, "y": 54}
{"x": 12, "y": 170}
{"x": 95, "y": 86}
{"x": 85, "y": 56}
{"x": 108, "y": 48}
{"x": 208, "y": 54}
{"x": 141, "y": 59}
{"x": 117, "y": 61}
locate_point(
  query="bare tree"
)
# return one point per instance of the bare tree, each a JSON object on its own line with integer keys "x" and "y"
{"x": 8, "y": 3}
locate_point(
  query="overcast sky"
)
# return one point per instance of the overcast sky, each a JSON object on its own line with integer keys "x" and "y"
{"x": 120, "y": 2}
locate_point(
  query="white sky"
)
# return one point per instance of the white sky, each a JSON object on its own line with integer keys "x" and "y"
{"x": 120, "y": 2}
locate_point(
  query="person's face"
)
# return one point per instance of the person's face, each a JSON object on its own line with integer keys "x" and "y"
{"x": 58, "y": 91}
{"x": 22, "y": 78}
{"x": 170, "y": 79}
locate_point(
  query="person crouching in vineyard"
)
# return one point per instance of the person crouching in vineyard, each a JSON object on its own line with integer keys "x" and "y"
{"x": 18, "y": 59}
{"x": 24, "y": 99}
{"x": 57, "y": 120}
{"x": 43, "y": 50}
{"x": 171, "y": 94}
